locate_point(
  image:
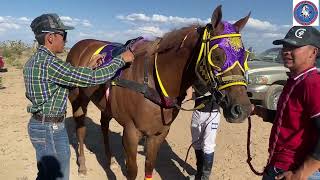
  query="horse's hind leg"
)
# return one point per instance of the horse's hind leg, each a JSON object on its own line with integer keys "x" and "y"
{"x": 130, "y": 140}
{"x": 105, "y": 120}
{"x": 79, "y": 107}
{"x": 152, "y": 147}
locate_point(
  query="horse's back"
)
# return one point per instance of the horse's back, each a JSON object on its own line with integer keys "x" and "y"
{"x": 81, "y": 52}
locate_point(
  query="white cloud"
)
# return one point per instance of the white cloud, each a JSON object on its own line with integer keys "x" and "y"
{"x": 8, "y": 23}
{"x": 86, "y": 23}
{"x": 261, "y": 25}
{"x": 146, "y": 30}
{"x": 65, "y": 18}
{"x": 157, "y": 18}
{"x": 273, "y": 35}
{"x": 75, "y": 21}
{"x": 258, "y": 33}
{"x": 134, "y": 17}
{"x": 24, "y": 19}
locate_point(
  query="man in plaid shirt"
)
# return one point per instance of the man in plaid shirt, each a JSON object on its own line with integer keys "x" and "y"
{"x": 47, "y": 80}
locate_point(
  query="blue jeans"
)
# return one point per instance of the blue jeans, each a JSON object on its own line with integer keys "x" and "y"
{"x": 51, "y": 143}
{"x": 272, "y": 172}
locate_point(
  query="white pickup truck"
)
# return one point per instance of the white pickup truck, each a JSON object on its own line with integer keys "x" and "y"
{"x": 266, "y": 78}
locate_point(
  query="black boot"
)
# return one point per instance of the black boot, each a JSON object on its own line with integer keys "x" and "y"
{"x": 199, "y": 156}
{"x": 207, "y": 165}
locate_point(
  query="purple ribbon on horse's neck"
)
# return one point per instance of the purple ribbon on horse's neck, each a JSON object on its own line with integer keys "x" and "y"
{"x": 233, "y": 53}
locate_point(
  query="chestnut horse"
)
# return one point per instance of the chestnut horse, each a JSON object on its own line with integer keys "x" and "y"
{"x": 164, "y": 69}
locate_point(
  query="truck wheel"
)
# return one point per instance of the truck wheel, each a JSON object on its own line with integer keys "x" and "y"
{"x": 272, "y": 96}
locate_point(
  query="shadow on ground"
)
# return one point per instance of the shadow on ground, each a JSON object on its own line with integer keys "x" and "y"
{"x": 166, "y": 164}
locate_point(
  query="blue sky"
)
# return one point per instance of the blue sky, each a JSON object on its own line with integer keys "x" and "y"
{"x": 119, "y": 20}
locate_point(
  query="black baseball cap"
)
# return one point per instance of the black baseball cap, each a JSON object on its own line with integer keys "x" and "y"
{"x": 47, "y": 23}
{"x": 301, "y": 36}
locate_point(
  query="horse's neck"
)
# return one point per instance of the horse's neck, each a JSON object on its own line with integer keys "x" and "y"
{"x": 173, "y": 72}
{"x": 177, "y": 65}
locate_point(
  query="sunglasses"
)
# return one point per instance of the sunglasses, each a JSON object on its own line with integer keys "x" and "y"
{"x": 62, "y": 33}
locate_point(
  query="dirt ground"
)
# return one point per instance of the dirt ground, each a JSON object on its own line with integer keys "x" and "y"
{"x": 17, "y": 156}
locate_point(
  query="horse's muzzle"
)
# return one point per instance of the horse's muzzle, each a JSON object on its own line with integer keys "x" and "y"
{"x": 236, "y": 114}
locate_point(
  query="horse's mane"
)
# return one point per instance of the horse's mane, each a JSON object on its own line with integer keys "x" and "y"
{"x": 174, "y": 38}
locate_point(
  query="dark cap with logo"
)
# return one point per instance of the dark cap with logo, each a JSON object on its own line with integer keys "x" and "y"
{"x": 301, "y": 36}
{"x": 48, "y": 22}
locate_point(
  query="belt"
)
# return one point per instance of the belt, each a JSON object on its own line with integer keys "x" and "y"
{"x": 53, "y": 119}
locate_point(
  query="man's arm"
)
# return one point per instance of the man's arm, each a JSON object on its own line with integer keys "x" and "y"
{"x": 266, "y": 114}
{"x": 64, "y": 73}
{"x": 311, "y": 163}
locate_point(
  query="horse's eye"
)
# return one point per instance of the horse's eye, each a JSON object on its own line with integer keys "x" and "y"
{"x": 218, "y": 55}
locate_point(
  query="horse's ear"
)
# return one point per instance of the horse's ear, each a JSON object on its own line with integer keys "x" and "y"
{"x": 241, "y": 23}
{"x": 216, "y": 17}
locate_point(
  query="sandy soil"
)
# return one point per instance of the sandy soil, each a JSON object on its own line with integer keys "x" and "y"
{"x": 17, "y": 156}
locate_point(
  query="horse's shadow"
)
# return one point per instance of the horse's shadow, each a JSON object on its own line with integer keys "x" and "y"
{"x": 166, "y": 168}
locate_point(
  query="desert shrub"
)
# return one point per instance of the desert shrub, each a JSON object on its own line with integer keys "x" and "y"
{"x": 13, "y": 52}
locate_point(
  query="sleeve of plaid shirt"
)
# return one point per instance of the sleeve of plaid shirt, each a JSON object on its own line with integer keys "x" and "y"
{"x": 64, "y": 73}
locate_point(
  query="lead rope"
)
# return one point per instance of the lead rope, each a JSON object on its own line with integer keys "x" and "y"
{"x": 248, "y": 150}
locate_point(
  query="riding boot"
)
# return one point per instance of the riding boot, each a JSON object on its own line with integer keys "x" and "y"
{"x": 199, "y": 157}
{"x": 207, "y": 166}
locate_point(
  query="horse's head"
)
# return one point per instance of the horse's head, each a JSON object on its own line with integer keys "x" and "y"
{"x": 214, "y": 54}
{"x": 221, "y": 65}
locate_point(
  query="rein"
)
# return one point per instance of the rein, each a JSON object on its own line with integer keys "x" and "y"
{"x": 249, "y": 152}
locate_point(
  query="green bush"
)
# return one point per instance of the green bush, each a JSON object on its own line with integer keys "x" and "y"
{"x": 12, "y": 51}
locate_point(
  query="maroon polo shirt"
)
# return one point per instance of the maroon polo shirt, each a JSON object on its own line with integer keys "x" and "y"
{"x": 297, "y": 136}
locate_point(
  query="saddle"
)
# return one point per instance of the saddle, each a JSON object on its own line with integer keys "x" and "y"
{"x": 113, "y": 49}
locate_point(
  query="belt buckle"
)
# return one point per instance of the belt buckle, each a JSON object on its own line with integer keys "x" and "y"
{"x": 54, "y": 126}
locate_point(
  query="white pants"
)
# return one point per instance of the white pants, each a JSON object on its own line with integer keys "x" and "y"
{"x": 204, "y": 127}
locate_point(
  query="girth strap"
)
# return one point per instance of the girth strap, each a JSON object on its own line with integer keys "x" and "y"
{"x": 148, "y": 92}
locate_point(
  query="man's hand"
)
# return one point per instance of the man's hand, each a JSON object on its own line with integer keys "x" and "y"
{"x": 189, "y": 94}
{"x": 289, "y": 175}
{"x": 96, "y": 60}
{"x": 257, "y": 110}
{"x": 127, "y": 56}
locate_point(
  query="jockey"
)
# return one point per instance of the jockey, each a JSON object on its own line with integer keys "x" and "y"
{"x": 204, "y": 126}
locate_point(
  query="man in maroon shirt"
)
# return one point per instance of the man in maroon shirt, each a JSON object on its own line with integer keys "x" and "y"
{"x": 294, "y": 144}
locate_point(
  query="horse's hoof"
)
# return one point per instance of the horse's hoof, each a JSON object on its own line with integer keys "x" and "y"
{"x": 82, "y": 171}
{"x": 82, "y": 167}
{"x": 113, "y": 164}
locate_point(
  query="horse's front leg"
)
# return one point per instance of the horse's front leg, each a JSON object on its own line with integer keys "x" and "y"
{"x": 153, "y": 144}
{"x": 105, "y": 120}
{"x": 130, "y": 140}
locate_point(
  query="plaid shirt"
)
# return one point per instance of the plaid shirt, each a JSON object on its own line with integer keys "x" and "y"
{"x": 48, "y": 80}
